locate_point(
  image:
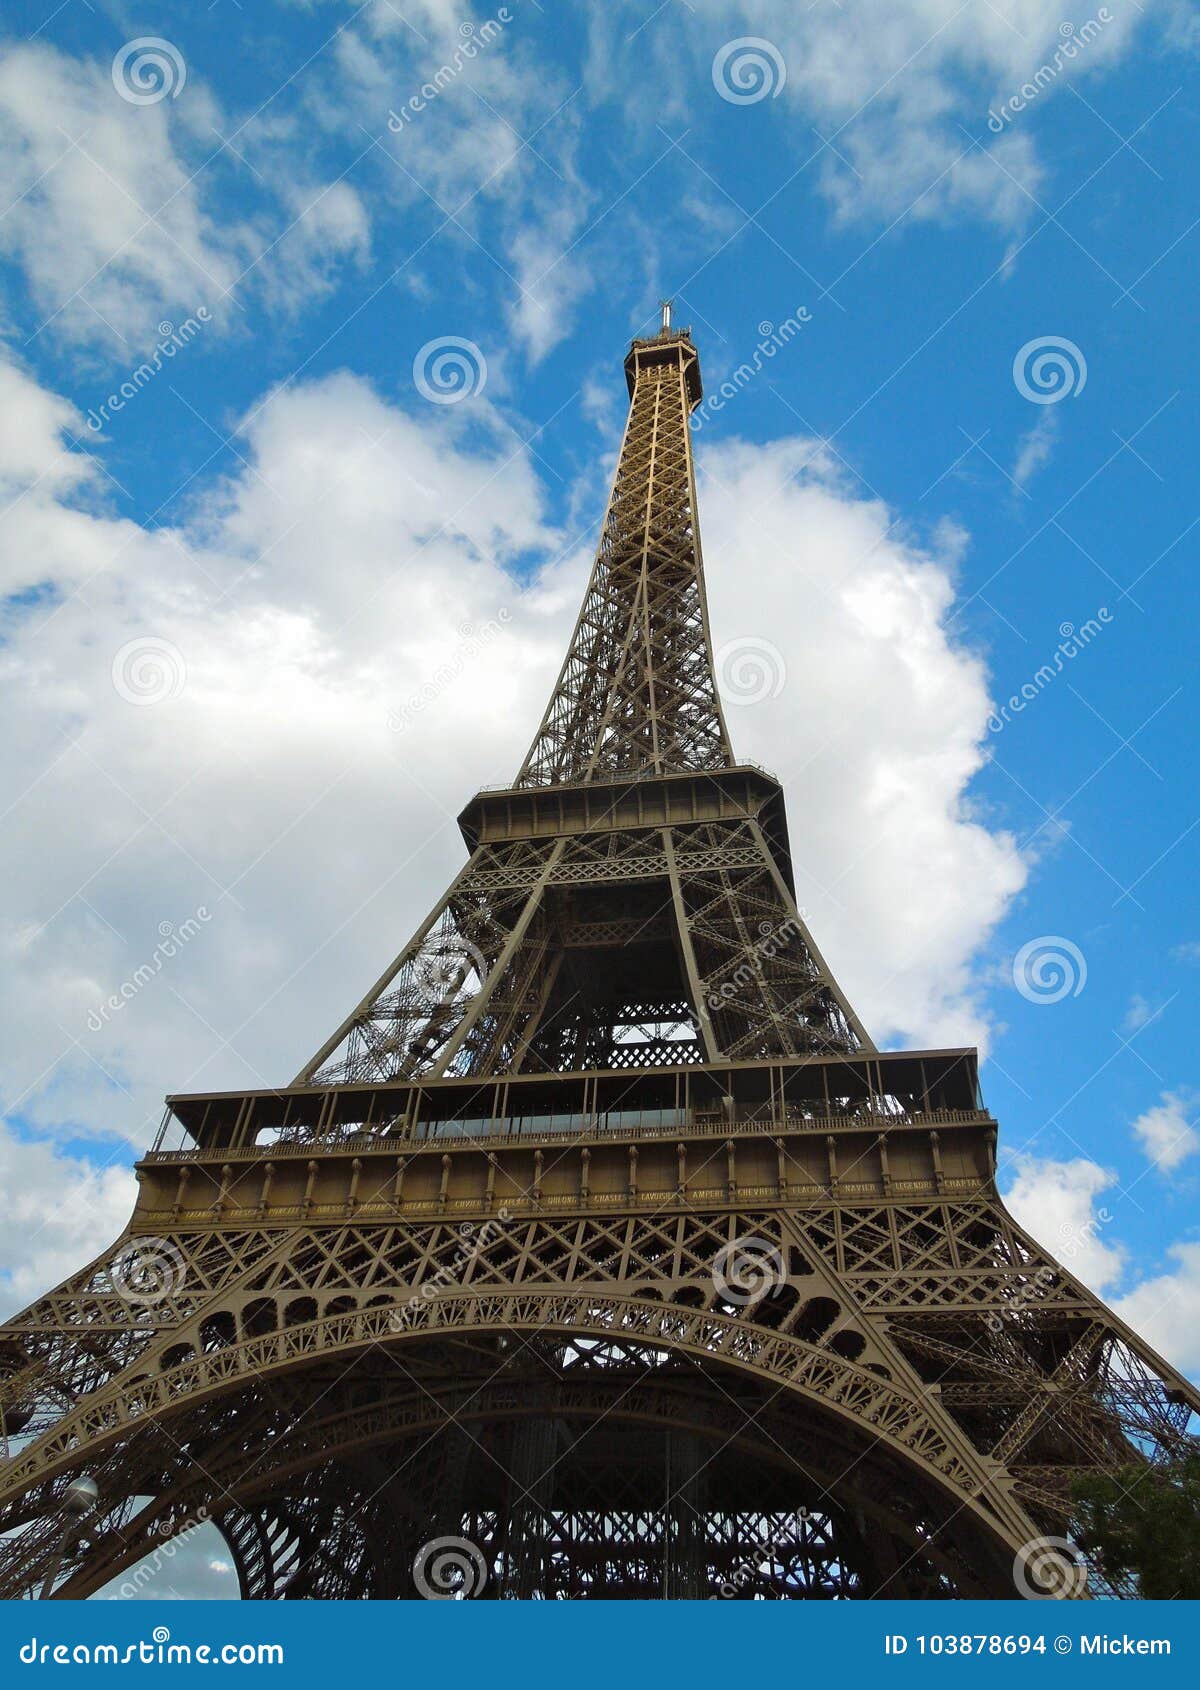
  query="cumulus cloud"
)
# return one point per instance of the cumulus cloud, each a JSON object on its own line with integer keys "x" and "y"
{"x": 1056, "y": 1202}
{"x": 1165, "y": 1133}
{"x": 1059, "y": 1203}
{"x": 1166, "y": 1309}
{"x": 873, "y": 717}
{"x": 216, "y": 703}
{"x": 59, "y": 1212}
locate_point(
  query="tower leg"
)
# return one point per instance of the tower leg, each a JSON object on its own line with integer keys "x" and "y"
{"x": 684, "y": 1536}
{"x": 527, "y": 1543}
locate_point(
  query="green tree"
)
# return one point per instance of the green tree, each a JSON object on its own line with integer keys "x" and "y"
{"x": 1144, "y": 1522}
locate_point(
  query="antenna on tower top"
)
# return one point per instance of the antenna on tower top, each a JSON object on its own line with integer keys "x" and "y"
{"x": 666, "y": 315}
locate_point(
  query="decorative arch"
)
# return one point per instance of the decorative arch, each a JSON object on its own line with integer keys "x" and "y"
{"x": 268, "y": 1518}
{"x": 873, "y": 1406}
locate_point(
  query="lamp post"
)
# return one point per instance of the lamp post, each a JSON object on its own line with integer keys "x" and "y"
{"x": 79, "y": 1498}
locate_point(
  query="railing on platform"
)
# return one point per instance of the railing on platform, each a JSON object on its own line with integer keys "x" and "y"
{"x": 621, "y": 1125}
{"x": 632, "y": 776}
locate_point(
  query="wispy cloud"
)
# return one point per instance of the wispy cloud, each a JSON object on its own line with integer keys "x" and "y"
{"x": 1034, "y": 449}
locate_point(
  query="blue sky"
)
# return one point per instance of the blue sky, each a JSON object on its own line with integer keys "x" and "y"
{"x": 293, "y": 537}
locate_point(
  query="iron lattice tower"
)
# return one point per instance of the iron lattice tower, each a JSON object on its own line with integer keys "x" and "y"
{"x": 599, "y": 1235}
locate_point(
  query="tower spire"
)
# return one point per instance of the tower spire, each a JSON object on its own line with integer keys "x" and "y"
{"x": 629, "y": 900}
{"x": 636, "y": 694}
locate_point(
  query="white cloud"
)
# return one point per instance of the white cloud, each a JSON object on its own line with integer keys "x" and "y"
{"x": 1056, "y": 1202}
{"x": 59, "y": 1212}
{"x": 194, "y": 1567}
{"x": 313, "y": 596}
{"x": 327, "y": 226}
{"x": 876, "y": 731}
{"x": 34, "y": 425}
{"x": 549, "y": 280}
{"x": 478, "y": 130}
{"x": 111, "y": 215}
{"x": 1139, "y": 1014}
{"x": 903, "y": 93}
{"x": 109, "y": 229}
{"x": 1166, "y": 1134}
{"x": 114, "y": 218}
{"x": 451, "y": 144}
{"x": 900, "y": 166}
{"x": 1166, "y": 1309}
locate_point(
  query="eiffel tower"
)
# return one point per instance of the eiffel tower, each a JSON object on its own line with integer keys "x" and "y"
{"x": 598, "y": 1252}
